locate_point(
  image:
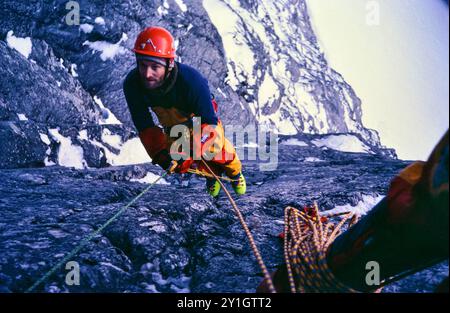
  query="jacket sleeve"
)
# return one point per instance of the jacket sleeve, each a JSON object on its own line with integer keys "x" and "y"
{"x": 155, "y": 144}
{"x": 151, "y": 136}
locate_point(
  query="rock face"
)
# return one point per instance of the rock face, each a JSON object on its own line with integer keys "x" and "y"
{"x": 265, "y": 69}
{"x": 21, "y": 145}
{"x": 65, "y": 131}
{"x": 174, "y": 238}
{"x": 276, "y": 65}
{"x": 32, "y": 89}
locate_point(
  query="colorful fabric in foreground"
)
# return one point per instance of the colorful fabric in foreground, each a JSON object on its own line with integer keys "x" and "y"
{"x": 406, "y": 232}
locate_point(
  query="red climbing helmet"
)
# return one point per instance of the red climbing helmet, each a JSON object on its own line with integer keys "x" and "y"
{"x": 155, "y": 42}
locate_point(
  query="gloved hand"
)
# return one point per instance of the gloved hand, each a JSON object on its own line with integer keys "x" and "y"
{"x": 162, "y": 159}
{"x": 182, "y": 165}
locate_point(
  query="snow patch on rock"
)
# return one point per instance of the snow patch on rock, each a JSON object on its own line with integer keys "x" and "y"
{"x": 108, "y": 50}
{"x": 181, "y": 5}
{"x": 22, "y": 117}
{"x": 150, "y": 178}
{"x": 69, "y": 155}
{"x": 107, "y": 116}
{"x": 362, "y": 208}
{"x": 294, "y": 142}
{"x": 21, "y": 45}
{"x": 345, "y": 143}
{"x": 86, "y": 28}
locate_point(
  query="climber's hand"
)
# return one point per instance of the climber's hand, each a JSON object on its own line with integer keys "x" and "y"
{"x": 182, "y": 166}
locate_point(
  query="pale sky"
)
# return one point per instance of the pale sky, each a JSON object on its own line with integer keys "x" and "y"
{"x": 398, "y": 68}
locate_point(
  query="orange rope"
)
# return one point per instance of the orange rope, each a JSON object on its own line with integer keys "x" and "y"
{"x": 263, "y": 267}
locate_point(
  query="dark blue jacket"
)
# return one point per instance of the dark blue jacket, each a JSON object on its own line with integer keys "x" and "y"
{"x": 185, "y": 89}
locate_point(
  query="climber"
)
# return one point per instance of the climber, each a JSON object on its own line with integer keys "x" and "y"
{"x": 179, "y": 96}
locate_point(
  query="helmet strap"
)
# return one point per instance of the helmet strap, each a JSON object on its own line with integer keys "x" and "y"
{"x": 169, "y": 68}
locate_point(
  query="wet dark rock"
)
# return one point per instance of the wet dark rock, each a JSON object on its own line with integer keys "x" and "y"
{"x": 21, "y": 145}
{"x": 32, "y": 179}
{"x": 32, "y": 90}
{"x": 173, "y": 239}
